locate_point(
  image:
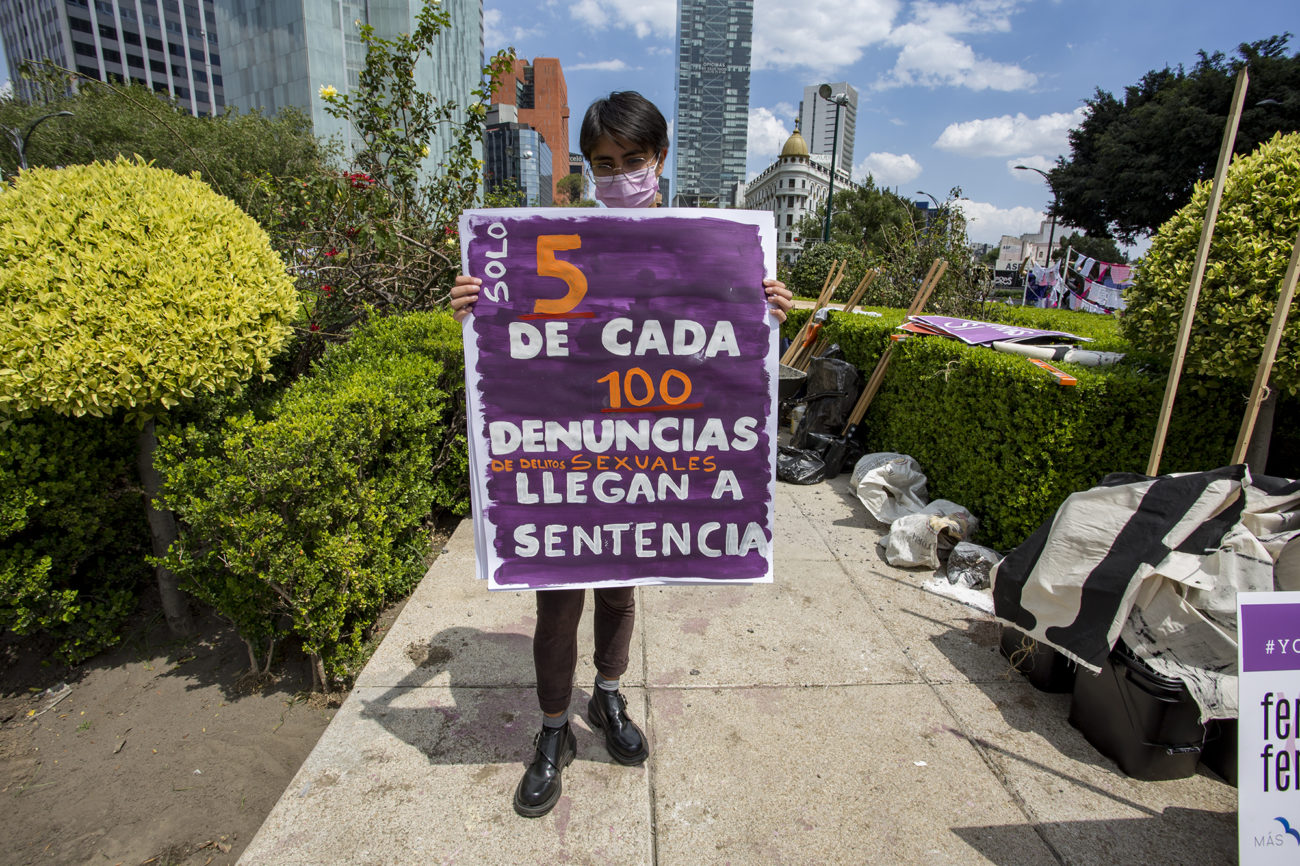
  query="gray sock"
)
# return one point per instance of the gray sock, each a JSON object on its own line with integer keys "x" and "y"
{"x": 555, "y": 721}
{"x": 607, "y": 685}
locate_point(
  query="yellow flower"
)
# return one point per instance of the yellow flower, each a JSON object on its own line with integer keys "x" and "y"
{"x": 424, "y": 151}
{"x": 327, "y": 91}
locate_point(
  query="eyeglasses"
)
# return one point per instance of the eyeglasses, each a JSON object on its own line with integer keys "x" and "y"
{"x": 606, "y": 168}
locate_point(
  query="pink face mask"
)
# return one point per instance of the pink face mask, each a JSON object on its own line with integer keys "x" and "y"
{"x": 628, "y": 189}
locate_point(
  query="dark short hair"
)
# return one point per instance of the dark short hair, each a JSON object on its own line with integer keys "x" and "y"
{"x": 624, "y": 114}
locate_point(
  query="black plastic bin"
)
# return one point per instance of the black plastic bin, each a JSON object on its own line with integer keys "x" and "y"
{"x": 1219, "y": 755}
{"x": 1045, "y": 668}
{"x": 1143, "y": 721}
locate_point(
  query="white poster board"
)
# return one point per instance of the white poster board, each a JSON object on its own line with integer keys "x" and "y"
{"x": 1268, "y": 778}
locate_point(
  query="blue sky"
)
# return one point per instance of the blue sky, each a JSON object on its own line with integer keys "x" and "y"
{"x": 950, "y": 93}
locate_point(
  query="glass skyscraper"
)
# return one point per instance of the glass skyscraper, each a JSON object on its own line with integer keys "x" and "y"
{"x": 167, "y": 45}
{"x": 712, "y": 121}
{"x": 282, "y": 52}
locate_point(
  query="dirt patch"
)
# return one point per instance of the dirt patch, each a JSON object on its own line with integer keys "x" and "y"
{"x": 160, "y": 752}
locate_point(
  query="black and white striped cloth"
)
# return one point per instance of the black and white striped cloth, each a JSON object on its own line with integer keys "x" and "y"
{"x": 1159, "y": 560}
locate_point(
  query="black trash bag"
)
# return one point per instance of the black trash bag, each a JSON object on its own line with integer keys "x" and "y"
{"x": 795, "y": 466}
{"x": 833, "y": 351}
{"x": 831, "y": 391}
{"x": 832, "y": 449}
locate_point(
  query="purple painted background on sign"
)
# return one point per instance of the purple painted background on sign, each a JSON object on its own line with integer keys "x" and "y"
{"x": 975, "y": 332}
{"x": 666, "y": 269}
{"x": 1270, "y": 637}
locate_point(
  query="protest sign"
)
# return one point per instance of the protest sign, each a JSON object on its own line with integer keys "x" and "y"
{"x": 1268, "y": 774}
{"x": 621, "y": 383}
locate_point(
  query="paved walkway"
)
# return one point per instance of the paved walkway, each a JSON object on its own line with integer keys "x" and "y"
{"x": 842, "y": 715}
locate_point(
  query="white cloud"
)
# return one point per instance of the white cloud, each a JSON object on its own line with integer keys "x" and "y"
{"x": 1010, "y": 134}
{"x": 987, "y": 223}
{"x": 820, "y": 37}
{"x": 768, "y": 132}
{"x": 643, "y": 17}
{"x": 931, "y": 55}
{"x": 888, "y": 169}
{"x": 1042, "y": 163}
{"x": 495, "y": 35}
{"x": 601, "y": 65}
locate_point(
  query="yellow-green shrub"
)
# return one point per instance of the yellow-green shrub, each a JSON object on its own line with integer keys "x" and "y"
{"x": 124, "y": 285}
{"x": 1259, "y": 218}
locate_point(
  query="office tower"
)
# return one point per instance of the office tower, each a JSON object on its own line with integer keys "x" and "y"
{"x": 712, "y": 119}
{"x": 282, "y": 52}
{"x": 817, "y": 121}
{"x": 514, "y": 151}
{"x": 538, "y": 90}
{"x": 166, "y": 45}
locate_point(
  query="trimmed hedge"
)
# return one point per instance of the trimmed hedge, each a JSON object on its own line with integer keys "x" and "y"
{"x": 308, "y": 522}
{"x": 72, "y": 531}
{"x": 997, "y": 435}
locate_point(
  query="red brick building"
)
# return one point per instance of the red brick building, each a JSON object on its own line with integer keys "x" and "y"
{"x": 539, "y": 92}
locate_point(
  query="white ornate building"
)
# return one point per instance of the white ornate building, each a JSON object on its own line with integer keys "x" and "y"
{"x": 795, "y": 185}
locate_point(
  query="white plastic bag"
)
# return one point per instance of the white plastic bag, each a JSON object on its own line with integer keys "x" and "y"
{"x": 922, "y": 539}
{"x": 889, "y": 485}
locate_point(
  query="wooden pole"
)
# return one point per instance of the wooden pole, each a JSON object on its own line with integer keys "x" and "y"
{"x": 823, "y": 297}
{"x": 932, "y": 278}
{"x": 800, "y": 358}
{"x": 1271, "y": 343}
{"x": 1198, "y": 273}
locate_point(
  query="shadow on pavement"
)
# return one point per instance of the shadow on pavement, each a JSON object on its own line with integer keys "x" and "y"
{"x": 484, "y": 711}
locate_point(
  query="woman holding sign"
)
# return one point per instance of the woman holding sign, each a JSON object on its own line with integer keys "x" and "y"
{"x": 624, "y": 139}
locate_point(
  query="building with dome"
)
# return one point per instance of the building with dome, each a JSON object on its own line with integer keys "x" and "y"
{"x": 792, "y": 187}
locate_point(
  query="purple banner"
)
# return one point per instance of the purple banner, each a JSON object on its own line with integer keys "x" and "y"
{"x": 1270, "y": 637}
{"x": 976, "y": 333}
{"x": 621, "y": 375}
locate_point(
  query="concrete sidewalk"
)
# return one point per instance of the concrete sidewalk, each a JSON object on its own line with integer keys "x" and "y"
{"x": 841, "y": 715}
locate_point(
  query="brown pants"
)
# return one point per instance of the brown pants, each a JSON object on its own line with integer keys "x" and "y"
{"x": 555, "y": 642}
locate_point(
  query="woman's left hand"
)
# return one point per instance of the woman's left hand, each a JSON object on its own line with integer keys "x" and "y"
{"x": 779, "y": 298}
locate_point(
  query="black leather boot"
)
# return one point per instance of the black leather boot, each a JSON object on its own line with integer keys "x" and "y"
{"x": 608, "y": 711}
{"x": 539, "y": 789}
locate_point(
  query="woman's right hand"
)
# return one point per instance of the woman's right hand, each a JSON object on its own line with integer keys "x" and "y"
{"x": 464, "y": 292}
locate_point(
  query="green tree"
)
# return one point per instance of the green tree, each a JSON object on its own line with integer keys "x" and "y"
{"x": 1259, "y": 218}
{"x": 380, "y": 236}
{"x": 810, "y": 271}
{"x": 1101, "y": 249}
{"x": 152, "y": 289}
{"x": 910, "y": 250}
{"x": 1133, "y": 162}
{"x": 231, "y": 152}
{"x": 862, "y": 217}
{"x": 572, "y": 187}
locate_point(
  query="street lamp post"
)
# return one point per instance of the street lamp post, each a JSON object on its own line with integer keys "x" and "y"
{"x": 937, "y": 206}
{"x": 1051, "y": 236}
{"x": 19, "y": 140}
{"x": 840, "y": 100}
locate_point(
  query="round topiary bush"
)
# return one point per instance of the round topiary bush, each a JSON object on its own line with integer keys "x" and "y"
{"x": 1259, "y": 218}
{"x": 128, "y": 286}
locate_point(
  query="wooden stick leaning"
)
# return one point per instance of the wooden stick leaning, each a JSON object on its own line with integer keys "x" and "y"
{"x": 802, "y": 350}
{"x": 822, "y": 298}
{"x": 936, "y": 272}
{"x": 1198, "y": 274}
{"x": 849, "y": 306}
{"x": 1271, "y": 343}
